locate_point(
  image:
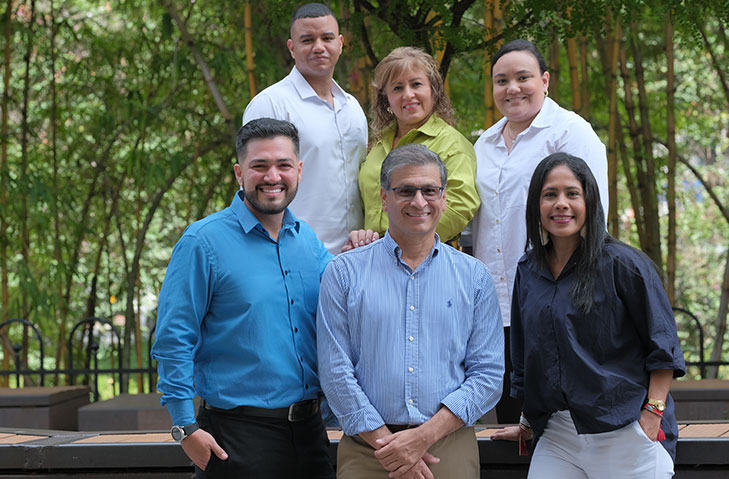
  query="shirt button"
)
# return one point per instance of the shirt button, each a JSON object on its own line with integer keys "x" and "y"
{"x": 501, "y": 278}
{"x": 412, "y": 277}
{"x": 411, "y": 339}
{"x": 296, "y": 330}
{"x": 410, "y": 370}
{"x": 306, "y": 386}
{"x": 292, "y": 301}
{"x": 410, "y": 401}
{"x": 498, "y": 250}
{"x": 412, "y": 308}
{"x": 497, "y": 221}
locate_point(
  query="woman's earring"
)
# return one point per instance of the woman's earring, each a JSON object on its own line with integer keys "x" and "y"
{"x": 543, "y": 235}
{"x": 583, "y": 231}
{"x": 389, "y": 110}
{"x": 546, "y": 92}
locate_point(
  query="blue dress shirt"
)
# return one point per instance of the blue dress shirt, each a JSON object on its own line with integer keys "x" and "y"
{"x": 237, "y": 314}
{"x": 395, "y": 344}
{"x": 597, "y": 365}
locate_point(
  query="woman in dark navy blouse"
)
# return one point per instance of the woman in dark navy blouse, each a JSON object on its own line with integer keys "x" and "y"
{"x": 593, "y": 339}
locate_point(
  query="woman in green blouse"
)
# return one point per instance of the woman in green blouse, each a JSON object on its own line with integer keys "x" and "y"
{"x": 412, "y": 107}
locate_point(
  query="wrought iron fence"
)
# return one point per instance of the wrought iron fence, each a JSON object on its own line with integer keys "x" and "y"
{"x": 90, "y": 342}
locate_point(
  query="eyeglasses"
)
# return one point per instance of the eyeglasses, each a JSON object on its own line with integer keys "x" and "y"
{"x": 407, "y": 193}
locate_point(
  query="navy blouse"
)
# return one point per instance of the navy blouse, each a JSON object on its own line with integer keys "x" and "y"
{"x": 595, "y": 365}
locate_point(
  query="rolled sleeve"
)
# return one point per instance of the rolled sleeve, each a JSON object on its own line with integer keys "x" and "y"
{"x": 641, "y": 289}
{"x": 484, "y": 362}
{"x": 348, "y": 401}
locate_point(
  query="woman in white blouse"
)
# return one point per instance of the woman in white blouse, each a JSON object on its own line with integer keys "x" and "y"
{"x": 533, "y": 127}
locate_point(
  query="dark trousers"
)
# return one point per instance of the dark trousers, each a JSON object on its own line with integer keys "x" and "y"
{"x": 266, "y": 448}
{"x": 508, "y": 409}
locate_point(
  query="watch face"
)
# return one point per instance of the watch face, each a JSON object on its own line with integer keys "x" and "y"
{"x": 658, "y": 404}
{"x": 177, "y": 433}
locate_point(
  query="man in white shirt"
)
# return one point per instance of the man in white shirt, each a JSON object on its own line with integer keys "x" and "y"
{"x": 331, "y": 124}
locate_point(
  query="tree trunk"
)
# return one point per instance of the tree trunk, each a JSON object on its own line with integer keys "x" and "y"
{"x": 671, "y": 143}
{"x": 574, "y": 77}
{"x": 61, "y": 277}
{"x": 554, "y": 71}
{"x": 650, "y": 197}
{"x": 488, "y": 96}
{"x": 585, "y": 84}
{"x": 633, "y": 130}
{"x": 613, "y": 42}
{"x": 250, "y": 53}
{"x": 720, "y": 324}
{"x": 4, "y": 200}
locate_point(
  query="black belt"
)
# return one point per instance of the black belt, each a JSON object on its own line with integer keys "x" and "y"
{"x": 298, "y": 411}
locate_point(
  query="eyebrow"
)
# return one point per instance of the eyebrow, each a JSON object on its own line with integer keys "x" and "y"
{"x": 261, "y": 161}
{"x": 307, "y": 35}
{"x": 518, "y": 73}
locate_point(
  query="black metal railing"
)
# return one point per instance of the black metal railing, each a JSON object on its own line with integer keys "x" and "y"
{"x": 89, "y": 342}
{"x": 92, "y": 346}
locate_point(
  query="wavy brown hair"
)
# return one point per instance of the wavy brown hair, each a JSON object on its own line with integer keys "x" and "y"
{"x": 397, "y": 61}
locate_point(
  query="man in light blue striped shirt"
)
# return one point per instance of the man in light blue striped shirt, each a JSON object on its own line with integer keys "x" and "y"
{"x": 409, "y": 337}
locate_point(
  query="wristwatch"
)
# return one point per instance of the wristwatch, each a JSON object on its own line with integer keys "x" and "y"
{"x": 657, "y": 403}
{"x": 181, "y": 432}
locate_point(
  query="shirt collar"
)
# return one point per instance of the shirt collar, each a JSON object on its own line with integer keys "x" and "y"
{"x": 433, "y": 127}
{"x": 306, "y": 91}
{"x": 530, "y": 259}
{"x": 544, "y": 119}
{"x": 395, "y": 251}
{"x": 248, "y": 220}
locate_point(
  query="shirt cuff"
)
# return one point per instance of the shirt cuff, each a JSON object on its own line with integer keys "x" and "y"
{"x": 365, "y": 420}
{"x": 456, "y": 402}
{"x": 182, "y": 412}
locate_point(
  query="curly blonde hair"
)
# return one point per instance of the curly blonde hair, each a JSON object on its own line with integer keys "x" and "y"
{"x": 397, "y": 61}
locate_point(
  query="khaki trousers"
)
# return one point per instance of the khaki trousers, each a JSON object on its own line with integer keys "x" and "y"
{"x": 458, "y": 453}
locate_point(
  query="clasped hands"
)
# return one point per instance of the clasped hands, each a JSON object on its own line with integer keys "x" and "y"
{"x": 405, "y": 454}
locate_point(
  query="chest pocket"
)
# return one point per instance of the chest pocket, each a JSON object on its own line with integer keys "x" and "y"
{"x": 309, "y": 289}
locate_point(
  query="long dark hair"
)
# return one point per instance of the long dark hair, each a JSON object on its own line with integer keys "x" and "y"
{"x": 590, "y": 249}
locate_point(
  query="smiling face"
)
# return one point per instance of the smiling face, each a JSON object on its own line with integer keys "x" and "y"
{"x": 519, "y": 86}
{"x": 416, "y": 217}
{"x": 562, "y": 206}
{"x": 269, "y": 175}
{"x": 410, "y": 97}
{"x": 315, "y": 46}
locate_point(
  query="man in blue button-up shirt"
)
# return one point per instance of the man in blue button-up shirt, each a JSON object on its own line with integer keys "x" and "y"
{"x": 236, "y": 324}
{"x": 409, "y": 337}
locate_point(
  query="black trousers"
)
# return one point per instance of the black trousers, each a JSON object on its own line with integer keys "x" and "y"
{"x": 508, "y": 409}
{"x": 265, "y": 448}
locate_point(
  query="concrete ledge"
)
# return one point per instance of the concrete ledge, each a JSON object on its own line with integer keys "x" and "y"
{"x": 126, "y": 412}
{"x": 701, "y": 400}
{"x": 42, "y": 407}
{"x": 703, "y": 453}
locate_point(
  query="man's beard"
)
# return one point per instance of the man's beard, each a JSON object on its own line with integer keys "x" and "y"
{"x": 271, "y": 208}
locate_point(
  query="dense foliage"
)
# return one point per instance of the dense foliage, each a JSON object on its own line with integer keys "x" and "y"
{"x": 114, "y": 139}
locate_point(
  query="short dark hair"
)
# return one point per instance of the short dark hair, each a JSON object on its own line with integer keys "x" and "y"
{"x": 520, "y": 45}
{"x": 264, "y": 128}
{"x": 595, "y": 236}
{"x": 411, "y": 154}
{"x": 311, "y": 10}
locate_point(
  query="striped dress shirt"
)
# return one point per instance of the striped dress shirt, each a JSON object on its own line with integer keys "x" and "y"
{"x": 395, "y": 344}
